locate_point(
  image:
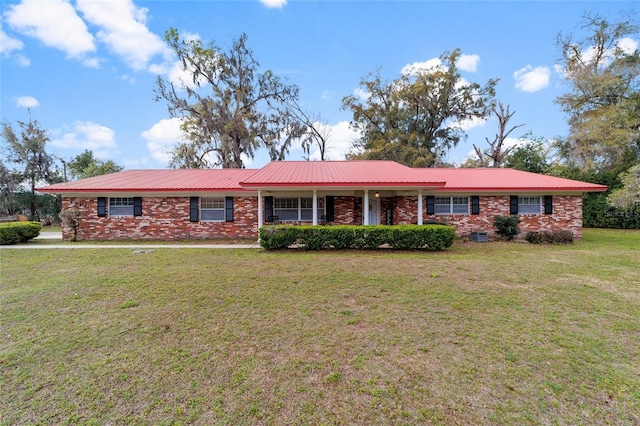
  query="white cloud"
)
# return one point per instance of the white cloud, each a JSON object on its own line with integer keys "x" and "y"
{"x": 529, "y": 79}
{"x": 339, "y": 142}
{"x": 124, "y": 31}
{"x": 23, "y": 61}
{"x": 468, "y": 62}
{"x": 472, "y": 123}
{"x": 274, "y": 3}
{"x": 9, "y": 44}
{"x": 627, "y": 45}
{"x": 88, "y": 135}
{"x": 162, "y": 137}
{"x": 426, "y": 66}
{"x": 326, "y": 95}
{"x": 361, "y": 94}
{"x": 55, "y": 23}
{"x": 27, "y": 102}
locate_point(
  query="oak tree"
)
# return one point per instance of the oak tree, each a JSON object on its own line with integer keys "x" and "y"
{"x": 417, "y": 118}
{"x": 603, "y": 104}
{"x": 229, "y": 109}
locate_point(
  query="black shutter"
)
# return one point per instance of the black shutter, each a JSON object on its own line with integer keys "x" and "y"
{"x": 330, "y": 208}
{"x": 431, "y": 204}
{"x": 102, "y": 206}
{"x": 475, "y": 204}
{"x": 137, "y": 206}
{"x": 548, "y": 204}
{"x": 513, "y": 204}
{"x": 193, "y": 209}
{"x": 228, "y": 209}
{"x": 268, "y": 209}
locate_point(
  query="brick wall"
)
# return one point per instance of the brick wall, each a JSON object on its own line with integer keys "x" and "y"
{"x": 168, "y": 218}
{"x": 567, "y": 215}
{"x": 162, "y": 219}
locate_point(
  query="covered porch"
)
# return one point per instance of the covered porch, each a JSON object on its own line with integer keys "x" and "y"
{"x": 368, "y": 206}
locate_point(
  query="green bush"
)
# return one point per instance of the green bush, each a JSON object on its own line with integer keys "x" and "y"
{"x": 507, "y": 226}
{"x": 399, "y": 237}
{"x": 18, "y": 232}
{"x": 550, "y": 237}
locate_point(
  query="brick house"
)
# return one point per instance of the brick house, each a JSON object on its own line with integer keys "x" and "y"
{"x": 235, "y": 203}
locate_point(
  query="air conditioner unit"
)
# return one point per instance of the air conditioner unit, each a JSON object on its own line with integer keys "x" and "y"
{"x": 479, "y": 237}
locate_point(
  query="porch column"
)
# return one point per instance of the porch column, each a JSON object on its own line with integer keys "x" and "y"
{"x": 365, "y": 208}
{"x": 420, "y": 206}
{"x": 260, "y": 219}
{"x": 315, "y": 207}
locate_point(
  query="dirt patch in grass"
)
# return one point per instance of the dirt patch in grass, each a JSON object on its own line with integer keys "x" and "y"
{"x": 481, "y": 334}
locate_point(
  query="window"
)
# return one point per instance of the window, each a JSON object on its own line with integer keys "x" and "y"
{"x": 294, "y": 209}
{"x": 451, "y": 205}
{"x": 121, "y": 206}
{"x": 529, "y": 205}
{"x": 212, "y": 209}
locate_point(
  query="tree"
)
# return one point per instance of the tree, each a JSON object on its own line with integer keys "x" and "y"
{"x": 28, "y": 152}
{"x": 317, "y": 132}
{"x": 8, "y": 184}
{"x": 85, "y": 165}
{"x": 629, "y": 194}
{"x": 417, "y": 118}
{"x": 497, "y": 152}
{"x": 603, "y": 105}
{"x": 228, "y": 109}
{"x": 530, "y": 156}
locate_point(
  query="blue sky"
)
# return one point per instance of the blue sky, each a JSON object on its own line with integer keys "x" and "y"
{"x": 87, "y": 69}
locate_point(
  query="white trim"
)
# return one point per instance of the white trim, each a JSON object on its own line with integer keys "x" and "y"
{"x": 260, "y": 219}
{"x": 420, "y": 208}
{"x": 365, "y": 208}
{"x": 314, "y": 220}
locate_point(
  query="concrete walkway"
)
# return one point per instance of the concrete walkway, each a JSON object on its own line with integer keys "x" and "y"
{"x": 132, "y": 245}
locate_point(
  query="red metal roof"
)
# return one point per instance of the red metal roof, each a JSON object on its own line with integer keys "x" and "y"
{"x": 499, "y": 179}
{"x": 338, "y": 174}
{"x": 323, "y": 174}
{"x": 178, "y": 180}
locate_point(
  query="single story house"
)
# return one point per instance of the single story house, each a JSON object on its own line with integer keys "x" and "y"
{"x": 234, "y": 203}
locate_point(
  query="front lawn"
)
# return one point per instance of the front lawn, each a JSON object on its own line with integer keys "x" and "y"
{"x": 483, "y": 333}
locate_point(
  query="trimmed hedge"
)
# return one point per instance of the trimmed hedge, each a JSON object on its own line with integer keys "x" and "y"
{"x": 18, "y": 232}
{"x": 371, "y": 237}
{"x": 550, "y": 237}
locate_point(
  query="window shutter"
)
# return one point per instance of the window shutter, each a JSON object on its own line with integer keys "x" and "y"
{"x": 548, "y": 204}
{"x": 330, "y": 209}
{"x": 475, "y": 204}
{"x": 513, "y": 204}
{"x": 193, "y": 209}
{"x": 431, "y": 204}
{"x": 137, "y": 206}
{"x": 268, "y": 208}
{"x": 102, "y": 206}
{"x": 228, "y": 209}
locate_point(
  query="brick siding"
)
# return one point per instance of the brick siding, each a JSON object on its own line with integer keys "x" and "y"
{"x": 163, "y": 218}
{"x": 167, "y": 218}
{"x": 567, "y": 215}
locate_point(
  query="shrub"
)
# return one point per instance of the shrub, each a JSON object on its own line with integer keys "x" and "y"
{"x": 400, "y": 237}
{"x": 507, "y": 226}
{"x": 18, "y": 232}
{"x": 550, "y": 237}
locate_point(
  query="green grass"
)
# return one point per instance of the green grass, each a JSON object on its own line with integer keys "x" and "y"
{"x": 496, "y": 333}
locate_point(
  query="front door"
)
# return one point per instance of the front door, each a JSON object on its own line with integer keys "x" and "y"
{"x": 374, "y": 211}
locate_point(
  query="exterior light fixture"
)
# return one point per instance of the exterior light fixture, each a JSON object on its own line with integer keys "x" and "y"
{"x": 377, "y": 194}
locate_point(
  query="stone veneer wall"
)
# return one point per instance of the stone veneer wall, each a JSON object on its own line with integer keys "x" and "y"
{"x": 162, "y": 219}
